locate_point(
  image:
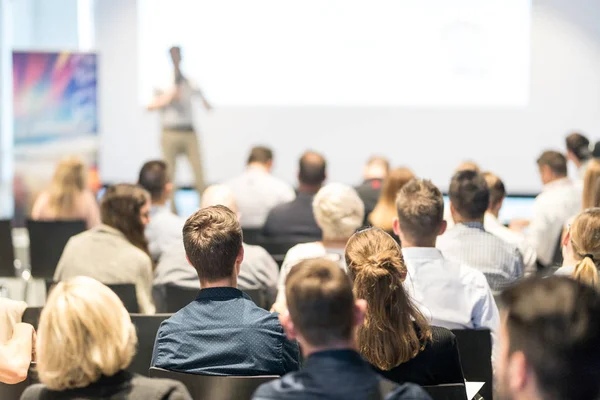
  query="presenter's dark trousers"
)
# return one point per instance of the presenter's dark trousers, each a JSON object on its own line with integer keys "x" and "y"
{"x": 177, "y": 142}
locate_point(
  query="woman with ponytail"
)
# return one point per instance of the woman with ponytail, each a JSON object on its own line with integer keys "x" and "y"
{"x": 396, "y": 338}
{"x": 581, "y": 249}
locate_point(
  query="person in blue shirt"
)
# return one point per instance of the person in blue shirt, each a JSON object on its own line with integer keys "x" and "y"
{"x": 222, "y": 332}
{"x": 323, "y": 316}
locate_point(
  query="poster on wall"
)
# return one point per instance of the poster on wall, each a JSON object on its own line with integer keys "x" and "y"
{"x": 55, "y": 115}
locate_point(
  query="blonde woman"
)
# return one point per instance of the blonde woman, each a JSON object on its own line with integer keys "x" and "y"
{"x": 85, "y": 343}
{"x": 591, "y": 184}
{"x": 385, "y": 210}
{"x": 67, "y": 197}
{"x": 581, "y": 251}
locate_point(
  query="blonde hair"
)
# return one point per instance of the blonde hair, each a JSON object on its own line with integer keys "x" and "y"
{"x": 394, "y": 331}
{"x": 385, "y": 209}
{"x": 84, "y": 333}
{"x": 591, "y": 185}
{"x": 338, "y": 210}
{"x": 68, "y": 182}
{"x": 585, "y": 241}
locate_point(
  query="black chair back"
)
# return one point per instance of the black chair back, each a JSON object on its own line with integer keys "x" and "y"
{"x": 146, "y": 327}
{"x": 7, "y": 251}
{"x": 456, "y": 391}
{"x": 215, "y": 387}
{"x": 125, "y": 291}
{"x": 253, "y": 235}
{"x": 475, "y": 348}
{"x": 178, "y": 297}
{"x": 31, "y": 316}
{"x": 47, "y": 240}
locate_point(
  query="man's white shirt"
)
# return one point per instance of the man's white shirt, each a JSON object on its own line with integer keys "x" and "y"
{"x": 492, "y": 225}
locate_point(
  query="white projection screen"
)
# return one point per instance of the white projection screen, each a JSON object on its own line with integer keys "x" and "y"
{"x": 388, "y": 53}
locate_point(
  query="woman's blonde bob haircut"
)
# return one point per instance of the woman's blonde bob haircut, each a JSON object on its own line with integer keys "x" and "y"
{"x": 84, "y": 333}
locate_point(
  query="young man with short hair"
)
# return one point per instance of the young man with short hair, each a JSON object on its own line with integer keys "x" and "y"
{"x": 323, "y": 315}
{"x": 222, "y": 332}
{"x": 549, "y": 341}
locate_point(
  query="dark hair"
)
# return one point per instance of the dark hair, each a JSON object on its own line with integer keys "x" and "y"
{"x": 555, "y": 323}
{"x": 153, "y": 177}
{"x": 469, "y": 194}
{"x": 312, "y": 169}
{"x": 420, "y": 207}
{"x": 120, "y": 208}
{"x": 260, "y": 154}
{"x": 578, "y": 145}
{"x": 376, "y": 266}
{"x": 212, "y": 238}
{"x": 320, "y": 301}
{"x": 496, "y": 186}
{"x": 555, "y": 160}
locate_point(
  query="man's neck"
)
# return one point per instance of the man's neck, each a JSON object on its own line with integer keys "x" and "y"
{"x": 334, "y": 243}
{"x": 555, "y": 179}
{"x": 159, "y": 203}
{"x": 228, "y": 282}
{"x": 425, "y": 244}
{"x": 493, "y": 212}
{"x": 461, "y": 220}
{"x": 308, "y": 349}
{"x": 259, "y": 166}
{"x": 312, "y": 189}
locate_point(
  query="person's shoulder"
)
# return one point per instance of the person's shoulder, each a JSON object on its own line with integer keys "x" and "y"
{"x": 408, "y": 391}
{"x": 285, "y": 388}
{"x": 38, "y": 391}
{"x": 254, "y": 251}
{"x": 159, "y": 388}
{"x": 306, "y": 250}
{"x": 472, "y": 277}
{"x": 442, "y": 337}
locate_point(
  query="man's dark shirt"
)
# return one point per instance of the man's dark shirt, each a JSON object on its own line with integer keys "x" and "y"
{"x": 369, "y": 192}
{"x": 223, "y": 332}
{"x": 334, "y": 374}
{"x": 293, "y": 221}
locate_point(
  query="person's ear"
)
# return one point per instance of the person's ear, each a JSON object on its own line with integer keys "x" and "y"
{"x": 443, "y": 227}
{"x": 239, "y": 259}
{"x": 566, "y": 238}
{"x": 288, "y": 326}
{"x": 360, "y": 311}
{"x": 452, "y": 210}
{"x": 188, "y": 261}
{"x": 269, "y": 165}
{"x": 396, "y": 226}
{"x": 517, "y": 372}
{"x": 168, "y": 189}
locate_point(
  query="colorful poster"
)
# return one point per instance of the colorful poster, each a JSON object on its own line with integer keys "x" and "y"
{"x": 55, "y": 115}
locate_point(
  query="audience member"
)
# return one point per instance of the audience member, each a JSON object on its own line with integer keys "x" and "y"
{"x": 550, "y": 340}
{"x": 559, "y": 200}
{"x": 115, "y": 251}
{"x": 339, "y": 213}
{"x": 581, "y": 248}
{"x": 495, "y": 227}
{"x": 294, "y": 221}
{"x": 258, "y": 270}
{"x": 165, "y": 226}
{"x": 591, "y": 185}
{"x": 222, "y": 332}
{"x": 450, "y": 294}
{"x": 396, "y": 338}
{"x": 323, "y": 316}
{"x": 468, "y": 242}
{"x": 385, "y": 210}
{"x": 257, "y": 191}
{"x": 374, "y": 172}
{"x": 86, "y": 341}
{"x": 463, "y": 166}
{"x": 16, "y": 342}
{"x": 579, "y": 152}
{"x": 67, "y": 198}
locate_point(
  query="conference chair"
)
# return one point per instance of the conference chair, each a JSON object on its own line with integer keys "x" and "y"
{"x": 177, "y": 297}
{"x": 31, "y": 316}
{"x": 146, "y": 327}
{"x": 125, "y": 291}
{"x": 7, "y": 251}
{"x": 456, "y": 391}
{"x": 253, "y": 236}
{"x": 215, "y": 387}
{"x": 47, "y": 240}
{"x": 475, "y": 349}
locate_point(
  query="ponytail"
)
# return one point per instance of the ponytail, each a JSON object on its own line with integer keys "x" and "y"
{"x": 586, "y": 271}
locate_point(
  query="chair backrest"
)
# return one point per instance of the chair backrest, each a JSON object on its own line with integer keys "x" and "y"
{"x": 146, "y": 327}
{"x": 253, "y": 235}
{"x": 31, "y": 316}
{"x": 178, "y": 297}
{"x": 455, "y": 391}
{"x": 7, "y": 251}
{"x": 215, "y": 387}
{"x": 127, "y": 294}
{"x": 47, "y": 240}
{"x": 475, "y": 348}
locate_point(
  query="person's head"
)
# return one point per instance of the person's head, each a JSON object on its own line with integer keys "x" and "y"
{"x": 549, "y": 341}
{"x": 583, "y": 243}
{"x": 261, "y": 155}
{"x": 68, "y": 181}
{"x": 212, "y": 238}
{"x": 215, "y": 195}
{"x": 175, "y": 53}
{"x": 338, "y": 210}
{"x": 385, "y": 210}
{"x": 591, "y": 185}
{"x": 376, "y": 267}
{"x": 126, "y": 208}
{"x": 552, "y": 166}
{"x": 468, "y": 166}
{"x": 497, "y": 192}
{"x": 321, "y": 310}
{"x": 376, "y": 168}
{"x": 420, "y": 208}
{"x": 84, "y": 332}
{"x": 469, "y": 196}
{"x": 312, "y": 170}
{"x": 578, "y": 148}
{"x": 154, "y": 178}
{"x": 596, "y": 150}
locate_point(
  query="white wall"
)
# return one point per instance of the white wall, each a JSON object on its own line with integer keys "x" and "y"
{"x": 565, "y": 95}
